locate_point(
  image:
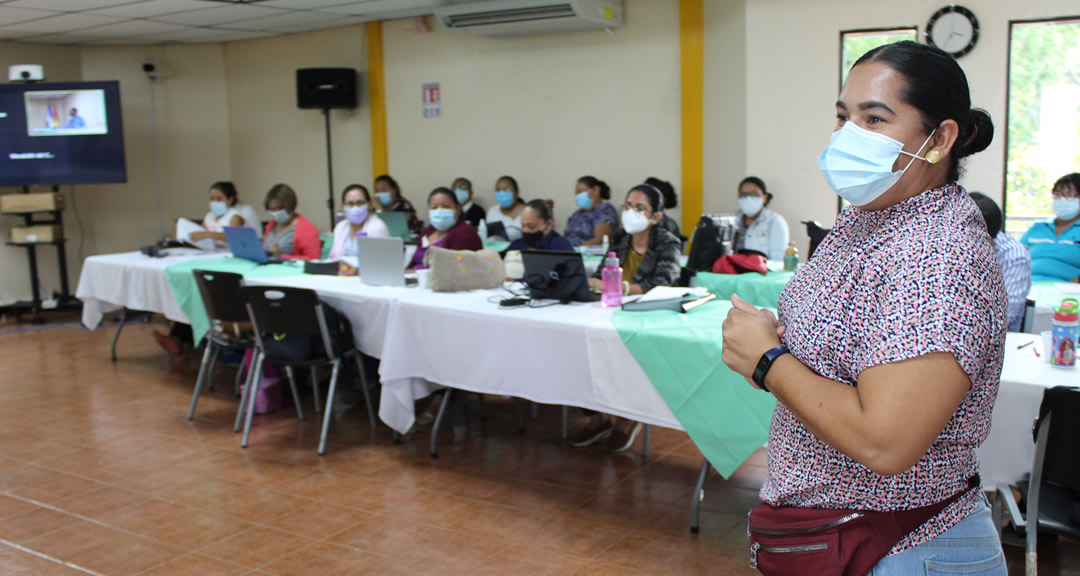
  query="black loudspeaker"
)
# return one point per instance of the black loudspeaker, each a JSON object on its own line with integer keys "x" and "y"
{"x": 326, "y": 88}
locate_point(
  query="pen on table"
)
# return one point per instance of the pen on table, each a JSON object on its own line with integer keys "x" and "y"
{"x": 1025, "y": 345}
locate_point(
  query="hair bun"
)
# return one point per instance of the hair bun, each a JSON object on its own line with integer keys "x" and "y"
{"x": 980, "y": 135}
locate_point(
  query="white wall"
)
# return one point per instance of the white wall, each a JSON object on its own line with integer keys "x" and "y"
{"x": 725, "y": 104}
{"x": 545, "y": 109}
{"x": 793, "y": 78}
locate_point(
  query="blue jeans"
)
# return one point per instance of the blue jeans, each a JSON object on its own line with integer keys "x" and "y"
{"x": 971, "y": 547}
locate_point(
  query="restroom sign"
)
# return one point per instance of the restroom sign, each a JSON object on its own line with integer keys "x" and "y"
{"x": 432, "y": 100}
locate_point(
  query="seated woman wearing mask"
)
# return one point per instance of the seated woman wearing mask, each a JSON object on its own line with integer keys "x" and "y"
{"x": 538, "y": 230}
{"x": 594, "y": 218}
{"x": 448, "y": 229}
{"x": 225, "y": 211}
{"x": 507, "y": 208}
{"x": 760, "y": 229}
{"x": 1055, "y": 243}
{"x": 289, "y": 235}
{"x": 388, "y": 198}
{"x": 472, "y": 213}
{"x": 359, "y": 221}
{"x": 649, "y": 256}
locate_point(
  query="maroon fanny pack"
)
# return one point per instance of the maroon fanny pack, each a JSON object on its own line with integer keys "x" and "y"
{"x": 791, "y": 541}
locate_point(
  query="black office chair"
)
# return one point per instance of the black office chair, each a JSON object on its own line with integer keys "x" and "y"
{"x": 220, "y": 293}
{"x": 295, "y": 313}
{"x": 816, "y": 234}
{"x": 1053, "y": 489}
{"x": 1028, "y": 326}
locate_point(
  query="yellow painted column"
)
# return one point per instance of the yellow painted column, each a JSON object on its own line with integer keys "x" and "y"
{"x": 692, "y": 68}
{"x": 380, "y": 163}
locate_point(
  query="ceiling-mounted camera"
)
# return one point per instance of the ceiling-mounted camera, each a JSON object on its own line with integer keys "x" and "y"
{"x": 26, "y": 73}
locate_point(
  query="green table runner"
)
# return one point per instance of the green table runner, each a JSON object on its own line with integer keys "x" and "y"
{"x": 763, "y": 291}
{"x": 680, "y": 353}
{"x": 182, "y": 282}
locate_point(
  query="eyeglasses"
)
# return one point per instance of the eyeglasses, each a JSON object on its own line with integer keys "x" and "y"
{"x": 356, "y": 204}
{"x": 1066, "y": 193}
{"x": 639, "y": 208}
{"x": 751, "y": 195}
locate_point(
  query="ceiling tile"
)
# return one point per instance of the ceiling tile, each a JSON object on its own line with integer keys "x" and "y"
{"x": 131, "y": 28}
{"x": 9, "y": 34}
{"x": 209, "y": 35}
{"x": 59, "y": 39}
{"x": 64, "y": 23}
{"x": 304, "y": 4}
{"x": 339, "y": 22}
{"x": 151, "y": 8}
{"x": 66, "y": 5}
{"x": 220, "y": 15}
{"x": 284, "y": 21}
{"x": 15, "y": 15}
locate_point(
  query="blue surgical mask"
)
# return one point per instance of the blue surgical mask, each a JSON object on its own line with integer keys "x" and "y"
{"x": 751, "y": 205}
{"x": 384, "y": 198}
{"x": 280, "y": 216}
{"x": 1067, "y": 208}
{"x": 442, "y": 219}
{"x": 583, "y": 200}
{"x": 505, "y": 198}
{"x": 218, "y": 208}
{"x": 462, "y": 195}
{"x": 858, "y": 163}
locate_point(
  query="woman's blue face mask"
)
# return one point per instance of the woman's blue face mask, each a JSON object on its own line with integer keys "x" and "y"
{"x": 858, "y": 163}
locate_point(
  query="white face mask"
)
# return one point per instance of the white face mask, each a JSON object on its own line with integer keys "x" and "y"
{"x": 634, "y": 221}
{"x": 751, "y": 205}
{"x": 1067, "y": 208}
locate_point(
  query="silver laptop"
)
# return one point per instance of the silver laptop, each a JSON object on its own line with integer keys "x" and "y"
{"x": 380, "y": 261}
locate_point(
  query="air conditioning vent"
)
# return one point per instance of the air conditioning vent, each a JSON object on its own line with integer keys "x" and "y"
{"x": 519, "y": 17}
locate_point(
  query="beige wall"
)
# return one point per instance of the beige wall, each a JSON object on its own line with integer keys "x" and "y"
{"x": 544, "y": 109}
{"x": 271, "y": 140}
{"x": 793, "y": 76}
{"x": 725, "y": 103}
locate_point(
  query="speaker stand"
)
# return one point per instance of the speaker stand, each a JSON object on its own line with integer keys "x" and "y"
{"x": 329, "y": 170}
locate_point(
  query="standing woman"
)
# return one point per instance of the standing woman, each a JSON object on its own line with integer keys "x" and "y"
{"x": 507, "y": 208}
{"x": 595, "y": 218}
{"x": 289, "y": 235}
{"x": 886, "y": 358}
{"x": 388, "y": 198}
{"x": 448, "y": 229}
{"x": 759, "y": 228}
{"x": 359, "y": 220}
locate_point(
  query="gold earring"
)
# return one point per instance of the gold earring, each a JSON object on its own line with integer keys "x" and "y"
{"x": 933, "y": 156}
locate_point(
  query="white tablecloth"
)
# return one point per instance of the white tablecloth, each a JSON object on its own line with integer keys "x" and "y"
{"x": 1009, "y": 449}
{"x": 130, "y": 280}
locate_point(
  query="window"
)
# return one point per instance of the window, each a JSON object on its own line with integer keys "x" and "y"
{"x": 855, "y": 43}
{"x": 1043, "y": 116}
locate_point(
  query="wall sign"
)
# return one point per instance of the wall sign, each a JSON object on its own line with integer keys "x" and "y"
{"x": 432, "y": 100}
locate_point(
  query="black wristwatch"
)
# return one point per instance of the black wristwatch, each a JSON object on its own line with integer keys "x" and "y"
{"x": 765, "y": 364}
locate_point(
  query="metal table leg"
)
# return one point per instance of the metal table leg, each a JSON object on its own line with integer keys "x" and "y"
{"x": 123, "y": 320}
{"x": 438, "y": 422}
{"x": 699, "y": 495}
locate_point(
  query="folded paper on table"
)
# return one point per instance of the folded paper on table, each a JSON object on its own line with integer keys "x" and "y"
{"x": 185, "y": 228}
{"x": 681, "y": 354}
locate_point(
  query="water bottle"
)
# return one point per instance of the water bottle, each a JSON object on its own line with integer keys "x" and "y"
{"x": 1066, "y": 319}
{"x": 604, "y": 245}
{"x": 791, "y": 257}
{"x": 611, "y": 276}
{"x": 481, "y": 230}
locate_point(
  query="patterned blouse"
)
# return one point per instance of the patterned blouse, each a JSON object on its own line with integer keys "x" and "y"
{"x": 913, "y": 279}
{"x": 582, "y": 225}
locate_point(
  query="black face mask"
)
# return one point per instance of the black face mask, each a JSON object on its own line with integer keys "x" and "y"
{"x": 532, "y": 238}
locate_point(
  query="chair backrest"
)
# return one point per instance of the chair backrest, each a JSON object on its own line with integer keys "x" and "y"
{"x": 284, "y": 310}
{"x": 1060, "y": 466}
{"x": 220, "y": 293}
{"x": 1028, "y": 326}
{"x": 816, "y": 234}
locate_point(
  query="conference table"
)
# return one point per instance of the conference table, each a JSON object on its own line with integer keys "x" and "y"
{"x": 563, "y": 355}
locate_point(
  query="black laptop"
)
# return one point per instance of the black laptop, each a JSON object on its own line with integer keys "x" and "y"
{"x": 556, "y": 276}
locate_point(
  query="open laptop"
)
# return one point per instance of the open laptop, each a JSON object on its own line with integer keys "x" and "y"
{"x": 553, "y": 266}
{"x": 379, "y": 261}
{"x": 244, "y": 243}
{"x": 396, "y": 223}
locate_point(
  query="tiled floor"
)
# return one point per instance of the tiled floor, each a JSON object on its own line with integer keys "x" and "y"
{"x": 101, "y": 473}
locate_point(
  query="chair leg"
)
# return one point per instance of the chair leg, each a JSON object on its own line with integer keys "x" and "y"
{"x": 534, "y": 411}
{"x": 210, "y": 372}
{"x": 483, "y": 407}
{"x": 329, "y": 407}
{"x": 253, "y": 392}
{"x": 565, "y": 422}
{"x": 695, "y": 502}
{"x": 367, "y": 393}
{"x": 315, "y": 388}
{"x": 207, "y": 365}
{"x": 521, "y": 414}
{"x": 645, "y": 441}
{"x": 447, "y": 397}
{"x": 241, "y": 410}
{"x": 239, "y": 378}
{"x": 295, "y": 392}
{"x": 116, "y": 336}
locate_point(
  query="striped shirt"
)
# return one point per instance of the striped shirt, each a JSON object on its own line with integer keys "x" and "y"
{"x": 1053, "y": 257}
{"x": 1016, "y": 270}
